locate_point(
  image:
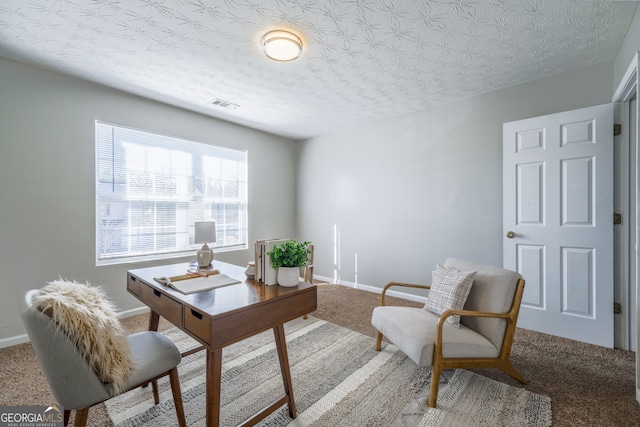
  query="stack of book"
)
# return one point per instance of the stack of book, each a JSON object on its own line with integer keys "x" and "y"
{"x": 264, "y": 272}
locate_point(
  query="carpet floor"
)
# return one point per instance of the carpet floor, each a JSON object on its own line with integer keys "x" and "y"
{"x": 588, "y": 385}
{"x": 339, "y": 380}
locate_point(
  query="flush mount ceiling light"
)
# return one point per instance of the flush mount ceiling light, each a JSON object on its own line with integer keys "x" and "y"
{"x": 281, "y": 45}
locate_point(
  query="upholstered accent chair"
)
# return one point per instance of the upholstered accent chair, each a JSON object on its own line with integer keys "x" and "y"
{"x": 487, "y": 322}
{"x": 75, "y": 384}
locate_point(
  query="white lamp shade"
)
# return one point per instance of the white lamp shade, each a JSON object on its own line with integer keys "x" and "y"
{"x": 205, "y": 232}
{"x": 281, "y": 45}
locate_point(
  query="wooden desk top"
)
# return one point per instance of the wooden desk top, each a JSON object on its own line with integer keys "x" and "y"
{"x": 220, "y": 301}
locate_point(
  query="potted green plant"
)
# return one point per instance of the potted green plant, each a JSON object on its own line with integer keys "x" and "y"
{"x": 287, "y": 258}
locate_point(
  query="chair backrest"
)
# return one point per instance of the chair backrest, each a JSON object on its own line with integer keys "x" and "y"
{"x": 493, "y": 290}
{"x": 73, "y": 382}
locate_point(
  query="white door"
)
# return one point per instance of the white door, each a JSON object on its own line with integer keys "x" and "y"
{"x": 558, "y": 221}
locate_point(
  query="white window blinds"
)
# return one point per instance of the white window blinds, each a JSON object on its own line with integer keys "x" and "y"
{"x": 150, "y": 189}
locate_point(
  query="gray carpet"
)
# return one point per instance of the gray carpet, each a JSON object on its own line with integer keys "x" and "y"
{"x": 588, "y": 385}
{"x": 339, "y": 380}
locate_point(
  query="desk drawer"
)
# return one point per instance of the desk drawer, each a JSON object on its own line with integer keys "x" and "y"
{"x": 242, "y": 324}
{"x": 161, "y": 304}
{"x": 133, "y": 285}
{"x": 198, "y": 324}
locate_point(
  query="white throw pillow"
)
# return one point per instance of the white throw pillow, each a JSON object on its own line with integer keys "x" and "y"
{"x": 449, "y": 290}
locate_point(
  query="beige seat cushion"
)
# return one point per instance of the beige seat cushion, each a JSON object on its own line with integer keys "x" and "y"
{"x": 413, "y": 330}
{"x": 153, "y": 354}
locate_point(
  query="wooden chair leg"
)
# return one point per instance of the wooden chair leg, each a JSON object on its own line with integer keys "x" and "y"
{"x": 177, "y": 396}
{"x": 379, "y": 341}
{"x": 508, "y": 368}
{"x": 436, "y": 371}
{"x": 156, "y": 395}
{"x": 81, "y": 417}
{"x": 67, "y": 414}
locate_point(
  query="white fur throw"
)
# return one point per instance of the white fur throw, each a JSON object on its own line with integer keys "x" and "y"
{"x": 83, "y": 313}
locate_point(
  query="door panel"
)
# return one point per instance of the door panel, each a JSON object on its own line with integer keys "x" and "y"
{"x": 577, "y": 192}
{"x": 578, "y": 293}
{"x": 558, "y": 200}
{"x": 530, "y": 193}
{"x": 531, "y": 264}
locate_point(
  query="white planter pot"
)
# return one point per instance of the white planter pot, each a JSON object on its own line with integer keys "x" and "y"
{"x": 288, "y": 276}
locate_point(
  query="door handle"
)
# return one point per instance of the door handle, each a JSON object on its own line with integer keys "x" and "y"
{"x": 511, "y": 234}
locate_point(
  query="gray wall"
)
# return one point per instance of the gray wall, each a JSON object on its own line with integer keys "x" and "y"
{"x": 402, "y": 193}
{"x": 406, "y": 193}
{"x": 47, "y": 173}
{"x": 630, "y": 46}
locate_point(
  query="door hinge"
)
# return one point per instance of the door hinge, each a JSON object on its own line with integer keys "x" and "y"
{"x": 617, "y": 219}
{"x": 617, "y": 308}
{"x": 617, "y": 129}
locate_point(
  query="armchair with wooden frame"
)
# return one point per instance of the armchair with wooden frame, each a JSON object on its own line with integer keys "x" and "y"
{"x": 487, "y": 325}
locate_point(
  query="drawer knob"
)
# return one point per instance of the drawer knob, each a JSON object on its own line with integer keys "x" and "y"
{"x": 196, "y": 314}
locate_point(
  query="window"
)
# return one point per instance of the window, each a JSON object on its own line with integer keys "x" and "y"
{"x": 150, "y": 189}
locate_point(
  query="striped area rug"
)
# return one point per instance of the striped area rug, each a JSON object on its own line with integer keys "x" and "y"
{"x": 338, "y": 379}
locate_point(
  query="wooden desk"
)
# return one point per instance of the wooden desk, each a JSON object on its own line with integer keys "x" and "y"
{"x": 222, "y": 316}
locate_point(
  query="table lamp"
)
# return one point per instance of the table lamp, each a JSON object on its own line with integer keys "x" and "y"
{"x": 205, "y": 232}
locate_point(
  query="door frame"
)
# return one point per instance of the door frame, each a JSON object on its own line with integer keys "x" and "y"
{"x": 625, "y": 91}
{"x": 624, "y": 238}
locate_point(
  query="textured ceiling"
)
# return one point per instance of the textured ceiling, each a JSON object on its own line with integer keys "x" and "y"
{"x": 363, "y": 60}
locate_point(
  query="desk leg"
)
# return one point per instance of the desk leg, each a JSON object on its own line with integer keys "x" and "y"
{"x": 154, "y": 320}
{"x": 281, "y": 345}
{"x": 214, "y": 377}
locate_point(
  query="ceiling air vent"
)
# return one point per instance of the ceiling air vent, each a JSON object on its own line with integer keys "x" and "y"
{"x": 224, "y": 104}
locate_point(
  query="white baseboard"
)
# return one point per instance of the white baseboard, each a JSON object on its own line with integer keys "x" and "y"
{"x": 11, "y": 341}
{"x": 21, "y": 339}
{"x": 373, "y": 289}
{"x": 133, "y": 312}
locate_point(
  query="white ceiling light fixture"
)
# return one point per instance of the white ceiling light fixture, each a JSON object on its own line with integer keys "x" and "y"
{"x": 281, "y": 45}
